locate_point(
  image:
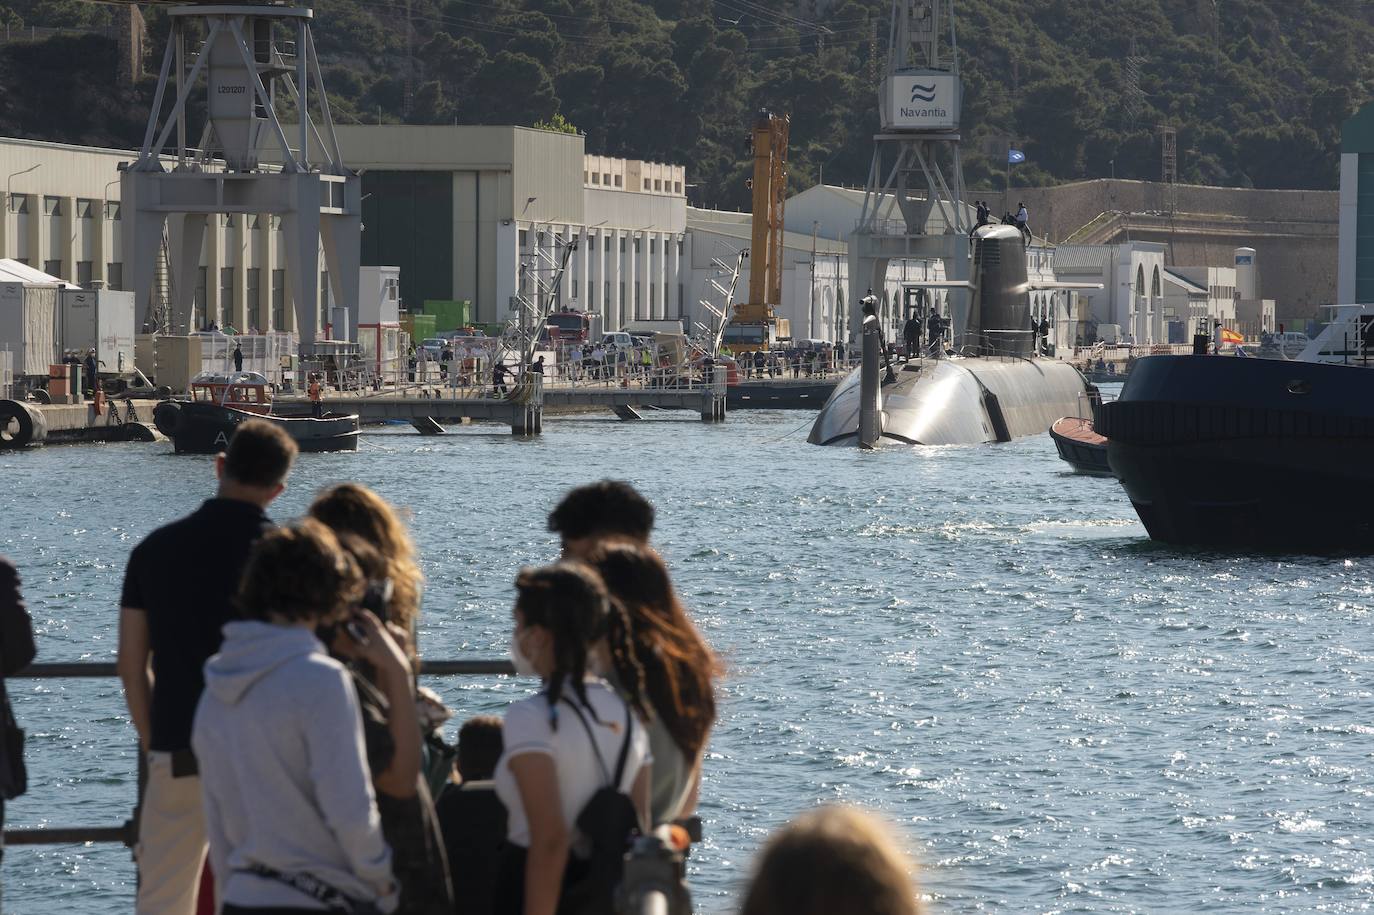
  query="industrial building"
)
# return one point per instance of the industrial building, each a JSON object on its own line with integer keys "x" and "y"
{"x": 1355, "y": 278}
{"x": 461, "y": 211}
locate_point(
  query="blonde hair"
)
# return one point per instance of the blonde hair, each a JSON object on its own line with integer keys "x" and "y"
{"x": 354, "y": 509}
{"x": 832, "y": 861}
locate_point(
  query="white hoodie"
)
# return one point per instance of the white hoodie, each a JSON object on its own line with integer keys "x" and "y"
{"x": 284, "y": 773}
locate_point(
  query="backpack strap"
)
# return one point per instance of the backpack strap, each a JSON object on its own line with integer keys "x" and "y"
{"x": 591, "y": 738}
{"x": 624, "y": 748}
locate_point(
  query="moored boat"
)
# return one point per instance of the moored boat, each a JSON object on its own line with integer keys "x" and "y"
{"x": 1081, "y": 446}
{"x": 204, "y": 423}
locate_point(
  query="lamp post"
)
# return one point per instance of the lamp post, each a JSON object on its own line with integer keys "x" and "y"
{"x": 9, "y": 197}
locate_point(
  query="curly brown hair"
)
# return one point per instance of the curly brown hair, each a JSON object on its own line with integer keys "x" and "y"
{"x": 355, "y": 509}
{"x": 299, "y": 573}
{"x": 678, "y": 666}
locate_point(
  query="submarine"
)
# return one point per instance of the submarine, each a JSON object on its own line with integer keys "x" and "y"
{"x": 991, "y": 387}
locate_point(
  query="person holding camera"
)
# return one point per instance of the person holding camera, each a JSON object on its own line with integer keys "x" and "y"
{"x": 402, "y": 750}
{"x": 289, "y": 808}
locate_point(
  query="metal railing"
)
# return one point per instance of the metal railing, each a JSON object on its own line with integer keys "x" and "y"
{"x": 125, "y": 834}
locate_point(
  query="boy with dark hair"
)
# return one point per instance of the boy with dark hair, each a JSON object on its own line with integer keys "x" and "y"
{"x": 178, "y": 593}
{"x": 597, "y": 510}
{"x": 472, "y": 817}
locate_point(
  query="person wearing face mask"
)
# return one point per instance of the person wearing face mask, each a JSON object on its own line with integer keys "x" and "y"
{"x": 571, "y": 750}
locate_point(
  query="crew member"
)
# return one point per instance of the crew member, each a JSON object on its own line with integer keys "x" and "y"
{"x": 935, "y": 332}
{"x": 316, "y": 404}
{"x": 1022, "y": 220}
{"x": 238, "y": 357}
{"x": 911, "y": 335}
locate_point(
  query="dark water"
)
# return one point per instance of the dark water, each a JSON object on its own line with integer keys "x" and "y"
{"x": 1059, "y": 714}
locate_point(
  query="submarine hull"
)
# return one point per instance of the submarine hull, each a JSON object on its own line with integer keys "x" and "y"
{"x": 958, "y": 401}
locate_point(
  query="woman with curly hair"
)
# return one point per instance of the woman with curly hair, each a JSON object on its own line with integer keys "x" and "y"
{"x": 678, "y": 669}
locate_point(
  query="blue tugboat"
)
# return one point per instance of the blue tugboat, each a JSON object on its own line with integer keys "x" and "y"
{"x": 218, "y": 403}
{"x": 1202, "y": 444}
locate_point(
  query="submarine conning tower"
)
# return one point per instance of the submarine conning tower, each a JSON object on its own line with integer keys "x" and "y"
{"x": 999, "y": 317}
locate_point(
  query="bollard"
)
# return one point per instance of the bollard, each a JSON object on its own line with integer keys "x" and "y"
{"x": 870, "y": 395}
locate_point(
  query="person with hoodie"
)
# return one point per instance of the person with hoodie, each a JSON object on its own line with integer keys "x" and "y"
{"x": 289, "y": 808}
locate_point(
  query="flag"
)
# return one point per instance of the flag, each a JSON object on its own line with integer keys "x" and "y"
{"x": 1015, "y": 157}
{"x": 1230, "y": 336}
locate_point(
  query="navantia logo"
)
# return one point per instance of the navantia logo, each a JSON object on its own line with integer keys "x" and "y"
{"x": 921, "y": 93}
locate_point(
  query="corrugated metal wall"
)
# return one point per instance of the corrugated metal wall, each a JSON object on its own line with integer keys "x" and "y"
{"x": 408, "y": 223}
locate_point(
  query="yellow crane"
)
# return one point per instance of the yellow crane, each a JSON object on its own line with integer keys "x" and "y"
{"x": 755, "y": 325}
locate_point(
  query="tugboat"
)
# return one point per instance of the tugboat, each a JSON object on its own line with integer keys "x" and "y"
{"x": 1203, "y": 443}
{"x": 219, "y": 402}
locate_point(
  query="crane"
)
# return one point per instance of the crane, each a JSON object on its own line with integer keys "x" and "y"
{"x": 754, "y": 324}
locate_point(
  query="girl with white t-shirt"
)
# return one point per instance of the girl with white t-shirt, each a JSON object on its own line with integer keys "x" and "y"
{"x": 562, "y": 745}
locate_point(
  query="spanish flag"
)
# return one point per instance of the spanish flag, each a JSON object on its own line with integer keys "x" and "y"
{"x": 1230, "y": 336}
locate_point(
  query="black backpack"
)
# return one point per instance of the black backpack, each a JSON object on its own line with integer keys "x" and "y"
{"x": 604, "y": 831}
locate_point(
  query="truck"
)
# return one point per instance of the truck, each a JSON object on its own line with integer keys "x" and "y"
{"x": 753, "y": 328}
{"x": 567, "y": 327}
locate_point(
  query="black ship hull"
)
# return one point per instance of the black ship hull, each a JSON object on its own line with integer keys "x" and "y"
{"x": 205, "y": 428}
{"x": 1221, "y": 451}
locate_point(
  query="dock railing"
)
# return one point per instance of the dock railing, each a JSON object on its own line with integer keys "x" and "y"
{"x": 126, "y": 832}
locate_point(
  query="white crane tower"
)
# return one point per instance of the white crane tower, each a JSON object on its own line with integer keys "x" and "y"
{"x": 250, "y": 55}
{"x": 916, "y": 171}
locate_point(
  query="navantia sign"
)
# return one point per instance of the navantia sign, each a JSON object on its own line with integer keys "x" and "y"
{"x": 922, "y": 100}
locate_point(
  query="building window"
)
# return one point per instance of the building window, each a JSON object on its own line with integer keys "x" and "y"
{"x": 653, "y": 246}
{"x": 606, "y": 179}
{"x": 653, "y": 295}
{"x": 253, "y": 300}
{"x": 83, "y": 209}
{"x": 524, "y": 239}
{"x": 606, "y": 295}
{"x": 20, "y": 203}
{"x": 83, "y": 274}
{"x": 52, "y": 206}
{"x": 618, "y": 181}
{"x": 677, "y": 187}
{"x": 658, "y": 184}
{"x": 622, "y": 244}
{"x": 637, "y": 240}
{"x": 585, "y": 179}
{"x": 596, "y": 177}
{"x": 53, "y": 268}
{"x": 112, "y": 210}
{"x": 114, "y": 275}
{"x": 605, "y": 242}
{"x": 646, "y": 184}
{"x": 226, "y": 295}
{"x": 636, "y": 298}
{"x": 227, "y": 220}
{"x": 254, "y": 221}
{"x": 278, "y": 299}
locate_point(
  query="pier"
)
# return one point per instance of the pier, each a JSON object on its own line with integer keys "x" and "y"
{"x": 432, "y": 406}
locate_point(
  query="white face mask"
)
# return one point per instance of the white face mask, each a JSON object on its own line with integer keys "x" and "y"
{"x": 523, "y": 666}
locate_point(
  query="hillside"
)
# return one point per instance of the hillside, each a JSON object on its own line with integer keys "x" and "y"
{"x": 1257, "y": 91}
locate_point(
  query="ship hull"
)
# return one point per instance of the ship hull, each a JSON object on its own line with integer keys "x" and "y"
{"x": 1217, "y": 451}
{"x": 205, "y": 428}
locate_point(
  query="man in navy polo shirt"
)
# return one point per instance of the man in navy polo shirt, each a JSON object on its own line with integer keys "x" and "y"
{"x": 179, "y": 591}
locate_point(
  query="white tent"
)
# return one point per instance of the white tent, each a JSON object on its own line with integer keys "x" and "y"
{"x": 13, "y": 271}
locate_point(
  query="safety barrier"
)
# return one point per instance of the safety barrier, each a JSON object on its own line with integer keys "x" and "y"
{"x": 125, "y": 833}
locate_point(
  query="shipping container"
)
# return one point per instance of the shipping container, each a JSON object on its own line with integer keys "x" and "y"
{"x": 449, "y": 314}
{"x": 28, "y": 327}
{"x": 103, "y": 319}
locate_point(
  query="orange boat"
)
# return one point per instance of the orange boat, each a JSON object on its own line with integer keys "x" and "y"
{"x": 1081, "y": 445}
